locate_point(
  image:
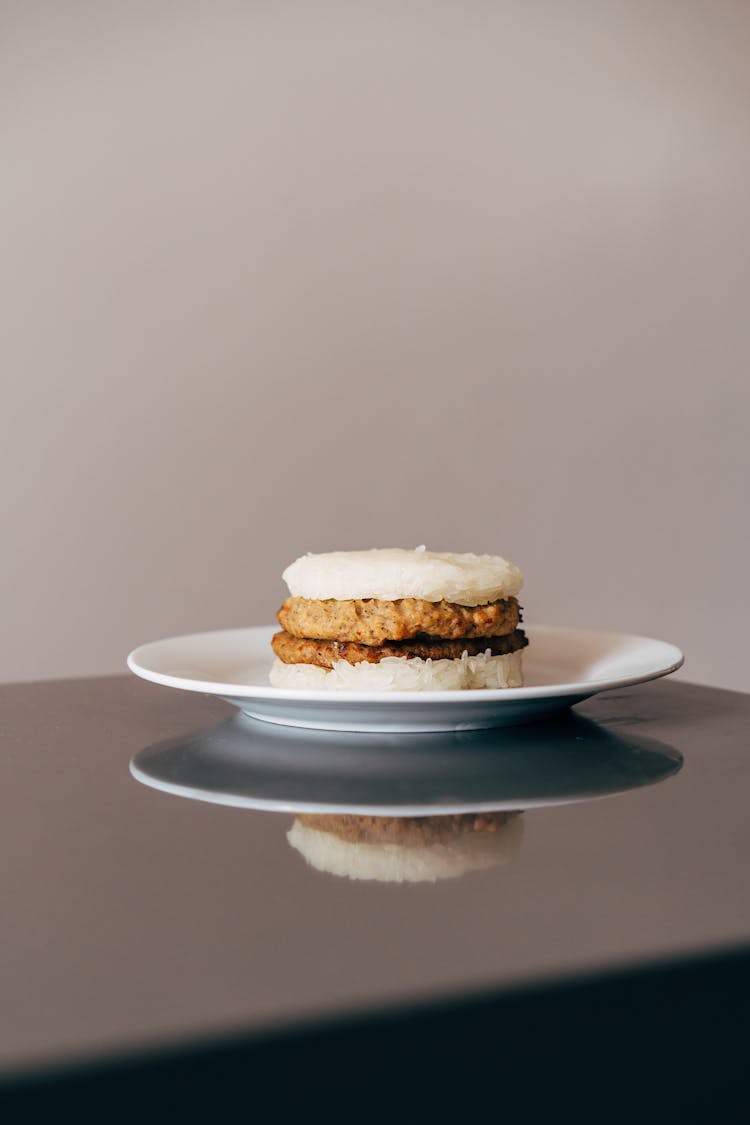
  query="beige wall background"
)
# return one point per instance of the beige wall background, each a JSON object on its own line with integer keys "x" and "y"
{"x": 280, "y": 277}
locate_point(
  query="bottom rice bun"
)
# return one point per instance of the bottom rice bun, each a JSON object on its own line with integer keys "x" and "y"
{"x": 390, "y": 619}
{"x": 404, "y": 674}
{"x": 406, "y": 849}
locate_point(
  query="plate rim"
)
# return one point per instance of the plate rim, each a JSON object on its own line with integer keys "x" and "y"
{"x": 391, "y": 698}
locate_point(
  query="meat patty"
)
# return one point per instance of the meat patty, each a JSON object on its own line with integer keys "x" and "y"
{"x": 373, "y": 621}
{"x": 407, "y": 831}
{"x": 324, "y": 654}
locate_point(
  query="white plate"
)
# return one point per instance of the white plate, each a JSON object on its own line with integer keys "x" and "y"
{"x": 256, "y": 765}
{"x": 561, "y": 668}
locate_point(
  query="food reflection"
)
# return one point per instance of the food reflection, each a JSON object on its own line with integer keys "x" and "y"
{"x": 391, "y": 849}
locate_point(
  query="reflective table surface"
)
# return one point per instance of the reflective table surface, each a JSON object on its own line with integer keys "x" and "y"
{"x": 139, "y": 914}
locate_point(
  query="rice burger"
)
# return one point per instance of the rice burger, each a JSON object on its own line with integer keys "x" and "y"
{"x": 390, "y": 619}
{"x": 406, "y": 849}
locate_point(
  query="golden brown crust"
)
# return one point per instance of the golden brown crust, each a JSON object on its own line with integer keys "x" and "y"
{"x": 373, "y": 622}
{"x": 324, "y": 654}
{"x": 409, "y": 831}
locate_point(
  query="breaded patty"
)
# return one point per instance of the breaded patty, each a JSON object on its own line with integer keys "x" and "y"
{"x": 324, "y": 654}
{"x": 373, "y": 622}
{"x": 407, "y": 831}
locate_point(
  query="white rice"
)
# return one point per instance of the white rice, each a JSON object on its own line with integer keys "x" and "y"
{"x": 397, "y": 863}
{"x": 401, "y": 673}
{"x": 390, "y": 573}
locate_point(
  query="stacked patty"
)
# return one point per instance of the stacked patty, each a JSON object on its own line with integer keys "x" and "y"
{"x": 397, "y": 619}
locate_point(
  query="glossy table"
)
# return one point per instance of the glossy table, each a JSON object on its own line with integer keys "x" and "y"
{"x": 167, "y": 949}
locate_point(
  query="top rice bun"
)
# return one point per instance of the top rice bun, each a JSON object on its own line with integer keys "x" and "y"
{"x": 392, "y": 573}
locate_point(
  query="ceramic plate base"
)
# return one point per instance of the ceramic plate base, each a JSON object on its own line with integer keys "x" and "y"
{"x": 562, "y": 667}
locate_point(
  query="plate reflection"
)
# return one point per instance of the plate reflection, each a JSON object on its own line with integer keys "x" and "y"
{"x": 251, "y": 764}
